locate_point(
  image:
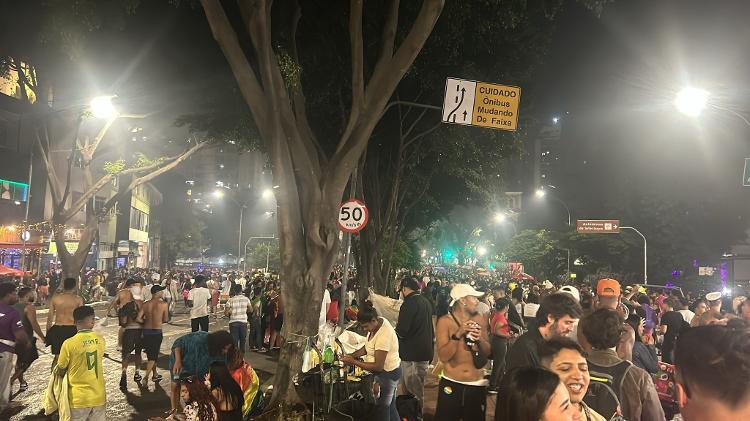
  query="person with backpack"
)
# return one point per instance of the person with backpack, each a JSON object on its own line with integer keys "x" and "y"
{"x": 565, "y": 357}
{"x": 617, "y": 388}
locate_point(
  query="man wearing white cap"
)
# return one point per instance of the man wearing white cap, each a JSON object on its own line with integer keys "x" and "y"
{"x": 463, "y": 348}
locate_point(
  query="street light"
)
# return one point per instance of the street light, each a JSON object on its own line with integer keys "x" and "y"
{"x": 540, "y": 194}
{"x": 500, "y": 217}
{"x": 102, "y": 107}
{"x": 691, "y": 101}
{"x": 267, "y": 193}
{"x": 219, "y": 194}
{"x": 481, "y": 250}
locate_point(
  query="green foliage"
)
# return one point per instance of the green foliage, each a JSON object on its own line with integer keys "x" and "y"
{"x": 114, "y": 167}
{"x": 540, "y": 251}
{"x": 290, "y": 70}
{"x": 142, "y": 160}
{"x": 182, "y": 236}
{"x": 257, "y": 256}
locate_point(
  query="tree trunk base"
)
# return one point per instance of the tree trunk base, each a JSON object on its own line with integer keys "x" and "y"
{"x": 285, "y": 412}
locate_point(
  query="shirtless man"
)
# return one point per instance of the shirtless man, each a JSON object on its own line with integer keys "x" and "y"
{"x": 153, "y": 313}
{"x": 131, "y": 329}
{"x": 463, "y": 348}
{"x": 124, "y": 296}
{"x": 60, "y": 323}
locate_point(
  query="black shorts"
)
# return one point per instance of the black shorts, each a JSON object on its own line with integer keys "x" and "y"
{"x": 27, "y": 356}
{"x": 151, "y": 344}
{"x": 131, "y": 341}
{"x": 458, "y": 401}
{"x": 57, "y": 334}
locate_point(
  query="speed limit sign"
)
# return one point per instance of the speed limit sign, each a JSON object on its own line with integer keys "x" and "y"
{"x": 353, "y": 216}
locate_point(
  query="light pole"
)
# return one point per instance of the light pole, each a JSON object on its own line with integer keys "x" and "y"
{"x": 268, "y": 251}
{"x": 219, "y": 194}
{"x": 541, "y": 193}
{"x": 645, "y": 254}
{"x": 692, "y": 101}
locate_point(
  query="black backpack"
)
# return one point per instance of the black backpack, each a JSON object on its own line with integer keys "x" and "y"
{"x": 605, "y": 389}
{"x": 408, "y": 408}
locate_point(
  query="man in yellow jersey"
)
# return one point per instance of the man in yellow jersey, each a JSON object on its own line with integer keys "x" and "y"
{"x": 81, "y": 358}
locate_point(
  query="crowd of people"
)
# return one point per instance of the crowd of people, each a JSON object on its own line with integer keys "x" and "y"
{"x": 577, "y": 352}
{"x": 208, "y": 371}
{"x": 544, "y": 352}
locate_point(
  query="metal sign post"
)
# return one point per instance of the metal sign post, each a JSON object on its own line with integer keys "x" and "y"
{"x": 645, "y": 254}
{"x": 348, "y": 236}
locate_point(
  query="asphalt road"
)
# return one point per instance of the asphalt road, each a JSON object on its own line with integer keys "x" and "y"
{"x": 135, "y": 404}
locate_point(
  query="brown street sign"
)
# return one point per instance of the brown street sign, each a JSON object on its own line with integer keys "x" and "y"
{"x": 598, "y": 226}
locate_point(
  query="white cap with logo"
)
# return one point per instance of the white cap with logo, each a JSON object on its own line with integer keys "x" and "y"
{"x": 463, "y": 290}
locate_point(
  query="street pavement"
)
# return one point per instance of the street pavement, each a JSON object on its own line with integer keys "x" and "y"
{"x": 136, "y": 404}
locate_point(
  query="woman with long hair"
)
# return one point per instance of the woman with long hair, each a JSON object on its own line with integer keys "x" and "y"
{"x": 199, "y": 404}
{"x": 226, "y": 392}
{"x": 534, "y": 394}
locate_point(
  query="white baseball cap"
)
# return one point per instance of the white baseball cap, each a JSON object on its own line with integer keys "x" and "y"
{"x": 572, "y": 291}
{"x": 463, "y": 290}
{"x": 713, "y": 296}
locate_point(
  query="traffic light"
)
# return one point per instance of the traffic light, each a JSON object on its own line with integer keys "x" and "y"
{"x": 448, "y": 254}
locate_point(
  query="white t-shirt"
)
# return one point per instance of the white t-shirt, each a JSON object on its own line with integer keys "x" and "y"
{"x": 385, "y": 339}
{"x": 324, "y": 307}
{"x": 687, "y": 315}
{"x": 226, "y": 285}
{"x": 199, "y": 297}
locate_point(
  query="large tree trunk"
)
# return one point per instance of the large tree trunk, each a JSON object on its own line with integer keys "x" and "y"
{"x": 311, "y": 185}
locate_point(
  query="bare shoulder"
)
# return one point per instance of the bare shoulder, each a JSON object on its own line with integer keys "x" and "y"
{"x": 443, "y": 322}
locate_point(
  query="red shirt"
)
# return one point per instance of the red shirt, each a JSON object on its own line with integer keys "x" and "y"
{"x": 500, "y": 318}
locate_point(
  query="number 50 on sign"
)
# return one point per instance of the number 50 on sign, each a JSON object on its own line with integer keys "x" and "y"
{"x": 353, "y": 216}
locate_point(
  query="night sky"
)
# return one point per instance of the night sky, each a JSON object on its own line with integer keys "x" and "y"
{"x": 610, "y": 78}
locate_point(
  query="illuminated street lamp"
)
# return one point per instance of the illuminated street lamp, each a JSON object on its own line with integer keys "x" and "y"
{"x": 219, "y": 194}
{"x": 540, "y": 193}
{"x": 481, "y": 250}
{"x": 102, "y": 107}
{"x": 500, "y": 217}
{"x": 267, "y": 193}
{"x": 691, "y": 101}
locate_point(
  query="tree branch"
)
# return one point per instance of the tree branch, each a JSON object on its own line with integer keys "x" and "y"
{"x": 379, "y": 90}
{"x": 159, "y": 166}
{"x": 52, "y": 179}
{"x": 388, "y": 38}
{"x": 71, "y": 158}
{"x": 241, "y": 69}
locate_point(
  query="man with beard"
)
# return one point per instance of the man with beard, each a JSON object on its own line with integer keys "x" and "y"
{"x": 555, "y": 318}
{"x": 463, "y": 348}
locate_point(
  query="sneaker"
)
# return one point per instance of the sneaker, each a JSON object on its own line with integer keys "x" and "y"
{"x": 123, "y": 382}
{"x": 157, "y": 378}
{"x": 262, "y": 350}
{"x": 492, "y": 391}
{"x": 137, "y": 377}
